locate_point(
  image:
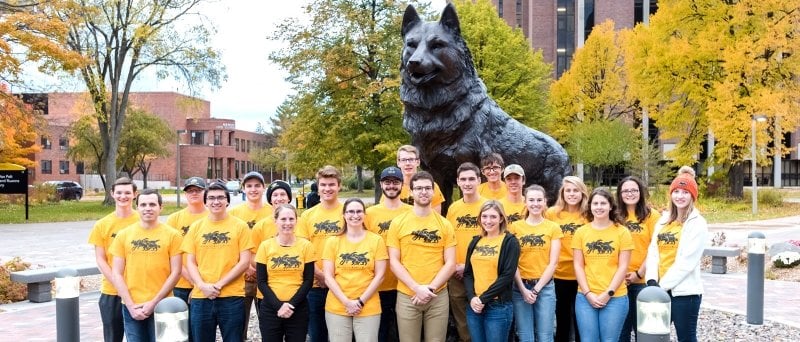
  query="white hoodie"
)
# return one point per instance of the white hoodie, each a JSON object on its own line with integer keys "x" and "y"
{"x": 683, "y": 276}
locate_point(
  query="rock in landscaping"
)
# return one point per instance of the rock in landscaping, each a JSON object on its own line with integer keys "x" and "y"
{"x": 783, "y": 247}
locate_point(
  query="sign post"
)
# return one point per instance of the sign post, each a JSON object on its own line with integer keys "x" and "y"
{"x": 14, "y": 180}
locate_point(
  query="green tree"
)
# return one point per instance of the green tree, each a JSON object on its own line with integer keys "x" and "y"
{"x": 515, "y": 75}
{"x": 602, "y": 144}
{"x": 343, "y": 64}
{"x": 708, "y": 66}
{"x": 145, "y": 137}
{"x": 122, "y": 39}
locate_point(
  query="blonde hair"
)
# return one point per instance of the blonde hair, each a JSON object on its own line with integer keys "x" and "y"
{"x": 409, "y": 149}
{"x": 673, "y": 210}
{"x": 561, "y": 203}
{"x": 329, "y": 171}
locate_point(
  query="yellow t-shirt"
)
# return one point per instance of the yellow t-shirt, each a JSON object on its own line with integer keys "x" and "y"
{"x": 262, "y": 231}
{"x": 181, "y": 220}
{"x": 515, "y": 211}
{"x": 407, "y": 198}
{"x": 484, "y": 262}
{"x": 601, "y": 250}
{"x": 317, "y": 224}
{"x": 216, "y": 246}
{"x": 489, "y": 193}
{"x": 534, "y": 242}
{"x": 421, "y": 242}
{"x": 250, "y": 216}
{"x": 103, "y": 234}
{"x": 285, "y": 265}
{"x": 354, "y": 269}
{"x": 147, "y": 254}
{"x": 668, "y": 240}
{"x": 464, "y": 218}
{"x": 569, "y": 223}
{"x": 378, "y": 220}
{"x": 641, "y": 233}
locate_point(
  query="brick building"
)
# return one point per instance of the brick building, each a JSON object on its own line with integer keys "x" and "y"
{"x": 209, "y": 147}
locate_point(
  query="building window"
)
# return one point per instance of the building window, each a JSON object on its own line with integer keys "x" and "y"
{"x": 248, "y": 146}
{"x": 210, "y": 168}
{"x": 217, "y": 138}
{"x": 519, "y": 13}
{"x": 46, "y": 143}
{"x": 47, "y": 167}
{"x": 237, "y": 144}
{"x": 79, "y": 168}
{"x": 565, "y": 35}
{"x": 198, "y": 137}
{"x": 63, "y": 143}
{"x": 236, "y": 168}
{"x": 500, "y": 8}
{"x": 219, "y": 168}
{"x": 63, "y": 167}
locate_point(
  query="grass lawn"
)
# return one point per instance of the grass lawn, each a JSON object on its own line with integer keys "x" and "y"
{"x": 62, "y": 211}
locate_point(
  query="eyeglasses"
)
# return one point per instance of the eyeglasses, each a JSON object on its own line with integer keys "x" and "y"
{"x": 422, "y": 188}
{"x": 494, "y": 168}
{"x": 630, "y": 191}
{"x": 407, "y": 160}
{"x": 216, "y": 198}
{"x": 353, "y": 212}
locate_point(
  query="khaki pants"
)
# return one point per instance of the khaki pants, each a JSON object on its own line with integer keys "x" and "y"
{"x": 341, "y": 328}
{"x": 433, "y": 316}
{"x": 458, "y": 306}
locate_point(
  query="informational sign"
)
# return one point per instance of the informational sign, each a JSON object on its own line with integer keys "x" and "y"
{"x": 13, "y": 181}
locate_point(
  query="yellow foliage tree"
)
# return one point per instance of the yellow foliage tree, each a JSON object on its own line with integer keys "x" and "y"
{"x": 19, "y": 126}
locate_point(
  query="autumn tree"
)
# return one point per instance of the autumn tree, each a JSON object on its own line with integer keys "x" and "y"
{"x": 19, "y": 126}
{"x": 602, "y": 144}
{"x": 120, "y": 40}
{"x": 344, "y": 66}
{"x": 708, "y": 66}
{"x": 515, "y": 75}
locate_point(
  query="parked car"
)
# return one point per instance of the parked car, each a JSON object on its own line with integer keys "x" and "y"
{"x": 234, "y": 187}
{"x": 67, "y": 190}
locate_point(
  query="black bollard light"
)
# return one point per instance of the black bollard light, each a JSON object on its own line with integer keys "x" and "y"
{"x": 653, "y": 307}
{"x": 172, "y": 320}
{"x": 756, "y": 248}
{"x": 68, "y": 288}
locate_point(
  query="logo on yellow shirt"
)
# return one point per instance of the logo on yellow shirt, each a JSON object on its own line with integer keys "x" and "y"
{"x": 216, "y": 237}
{"x": 599, "y": 246}
{"x": 634, "y": 227}
{"x": 532, "y": 240}
{"x": 145, "y": 245}
{"x": 251, "y": 223}
{"x": 467, "y": 221}
{"x": 428, "y": 236}
{"x": 384, "y": 226}
{"x": 514, "y": 217}
{"x": 486, "y": 250}
{"x": 569, "y": 228}
{"x": 326, "y": 226}
{"x": 353, "y": 258}
{"x": 667, "y": 238}
{"x": 185, "y": 229}
{"x": 286, "y": 261}
{"x": 408, "y": 200}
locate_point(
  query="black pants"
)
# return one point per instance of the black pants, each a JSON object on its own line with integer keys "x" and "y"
{"x": 274, "y": 328}
{"x": 565, "y": 310}
{"x": 111, "y": 315}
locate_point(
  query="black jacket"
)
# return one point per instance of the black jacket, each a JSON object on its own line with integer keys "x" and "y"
{"x": 506, "y": 268}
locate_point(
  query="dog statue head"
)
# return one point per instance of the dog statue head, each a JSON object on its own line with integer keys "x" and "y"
{"x": 435, "y": 56}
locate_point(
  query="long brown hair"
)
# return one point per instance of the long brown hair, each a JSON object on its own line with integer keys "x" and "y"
{"x": 497, "y": 206}
{"x": 344, "y": 208}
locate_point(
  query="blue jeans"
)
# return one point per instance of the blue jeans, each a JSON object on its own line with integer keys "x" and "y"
{"x": 537, "y": 317}
{"x": 206, "y": 314}
{"x": 600, "y": 324}
{"x": 685, "y": 310}
{"x": 388, "y": 316}
{"x": 138, "y": 331}
{"x": 317, "y": 329}
{"x": 630, "y": 320}
{"x": 493, "y": 324}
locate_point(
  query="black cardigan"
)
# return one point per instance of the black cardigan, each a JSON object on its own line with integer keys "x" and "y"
{"x": 270, "y": 299}
{"x": 506, "y": 268}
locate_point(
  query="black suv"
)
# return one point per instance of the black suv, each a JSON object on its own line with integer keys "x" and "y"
{"x": 67, "y": 190}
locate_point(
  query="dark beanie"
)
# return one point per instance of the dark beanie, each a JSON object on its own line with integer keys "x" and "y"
{"x": 278, "y": 184}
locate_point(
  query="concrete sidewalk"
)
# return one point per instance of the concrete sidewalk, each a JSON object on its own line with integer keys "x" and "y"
{"x": 62, "y": 244}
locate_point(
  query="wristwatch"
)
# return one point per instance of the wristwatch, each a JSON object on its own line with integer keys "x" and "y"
{"x": 611, "y": 293}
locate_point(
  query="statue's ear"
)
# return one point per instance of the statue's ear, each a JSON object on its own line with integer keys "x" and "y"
{"x": 410, "y": 19}
{"x": 450, "y": 19}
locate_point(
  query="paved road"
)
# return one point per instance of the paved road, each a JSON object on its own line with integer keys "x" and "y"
{"x": 60, "y": 244}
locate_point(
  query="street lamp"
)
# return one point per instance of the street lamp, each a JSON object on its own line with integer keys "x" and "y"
{"x": 753, "y": 180}
{"x": 178, "y": 165}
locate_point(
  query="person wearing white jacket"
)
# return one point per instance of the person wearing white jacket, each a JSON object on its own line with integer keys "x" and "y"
{"x": 673, "y": 257}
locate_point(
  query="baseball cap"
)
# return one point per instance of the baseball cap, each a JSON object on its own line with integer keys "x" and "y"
{"x": 194, "y": 181}
{"x": 392, "y": 172}
{"x": 253, "y": 174}
{"x": 515, "y": 169}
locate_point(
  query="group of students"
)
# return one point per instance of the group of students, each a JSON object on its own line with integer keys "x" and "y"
{"x": 397, "y": 270}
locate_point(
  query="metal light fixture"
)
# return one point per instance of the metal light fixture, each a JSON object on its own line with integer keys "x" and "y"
{"x": 653, "y": 307}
